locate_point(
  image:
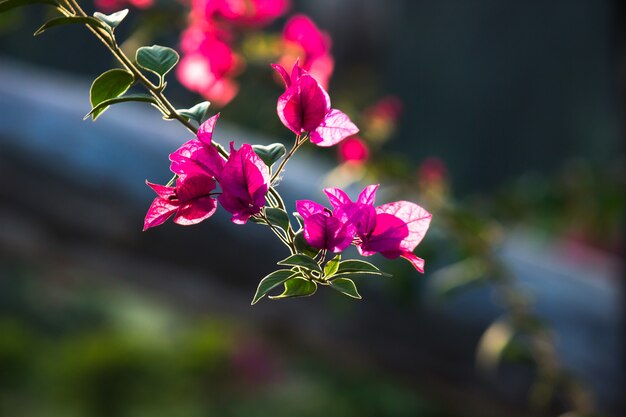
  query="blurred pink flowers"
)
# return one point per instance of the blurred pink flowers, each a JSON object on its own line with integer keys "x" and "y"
{"x": 305, "y": 107}
{"x": 354, "y": 150}
{"x": 303, "y": 40}
{"x": 109, "y": 6}
{"x": 321, "y": 229}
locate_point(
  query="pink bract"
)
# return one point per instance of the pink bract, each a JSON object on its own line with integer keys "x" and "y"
{"x": 198, "y": 156}
{"x": 305, "y": 107}
{"x": 354, "y": 150}
{"x": 244, "y": 181}
{"x": 190, "y": 201}
{"x": 321, "y": 229}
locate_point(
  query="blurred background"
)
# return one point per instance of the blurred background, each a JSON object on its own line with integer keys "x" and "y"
{"x": 502, "y": 118}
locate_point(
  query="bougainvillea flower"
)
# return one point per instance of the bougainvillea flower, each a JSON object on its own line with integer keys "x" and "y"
{"x": 199, "y": 156}
{"x": 305, "y": 107}
{"x": 190, "y": 201}
{"x": 399, "y": 228}
{"x": 361, "y": 213}
{"x": 244, "y": 181}
{"x": 353, "y": 150}
{"x": 393, "y": 229}
{"x": 321, "y": 229}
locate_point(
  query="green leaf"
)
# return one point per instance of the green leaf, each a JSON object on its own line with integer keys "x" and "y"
{"x": 278, "y": 217}
{"x": 270, "y": 153}
{"x": 302, "y": 260}
{"x": 11, "y": 4}
{"x": 111, "y": 84}
{"x": 297, "y": 287}
{"x": 272, "y": 281}
{"x": 358, "y": 266}
{"x": 345, "y": 286}
{"x": 303, "y": 246}
{"x": 70, "y": 20}
{"x": 197, "y": 112}
{"x": 157, "y": 59}
{"x": 135, "y": 97}
{"x": 112, "y": 20}
{"x": 332, "y": 266}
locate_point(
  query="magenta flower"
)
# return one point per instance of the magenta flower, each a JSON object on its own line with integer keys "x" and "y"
{"x": 354, "y": 150}
{"x": 305, "y": 107}
{"x": 321, "y": 229}
{"x": 190, "y": 201}
{"x": 198, "y": 156}
{"x": 393, "y": 229}
{"x": 244, "y": 180}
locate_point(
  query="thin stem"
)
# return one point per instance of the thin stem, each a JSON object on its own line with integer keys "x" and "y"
{"x": 300, "y": 140}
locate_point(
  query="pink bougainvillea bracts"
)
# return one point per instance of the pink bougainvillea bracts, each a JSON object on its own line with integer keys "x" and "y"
{"x": 393, "y": 230}
{"x": 322, "y": 230}
{"x": 354, "y": 150}
{"x": 305, "y": 107}
{"x": 244, "y": 180}
{"x": 191, "y": 201}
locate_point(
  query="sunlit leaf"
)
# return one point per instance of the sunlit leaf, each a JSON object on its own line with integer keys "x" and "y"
{"x": 272, "y": 281}
{"x": 70, "y": 20}
{"x": 277, "y": 217}
{"x": 112, "y": 20}
{"x": 332, "y": 266}
{"x": 301, "y": 260}
{"x": 345, "y": 286}
{"x": 135, "y": 97}
{"x": 111, "y": 84}
{"x": 270, "y": 153}
{"x": 297, "y": 287}
{"x": 196, "y": 113}
{"x": 303, "y": 246}
{"x": 157, "y": 59}
{"x": 360, "y": 267}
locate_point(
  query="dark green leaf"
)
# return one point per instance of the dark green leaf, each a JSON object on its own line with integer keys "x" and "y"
{"x": 157, "y": 59}
{"x": 358, "y": 266}
{"x": 297, "y": 287}
{"x": 303, "y": 246}
{"x": 301, "y": 260}
{"x": 135, "y": 97}
{"x": 10, "y": 4}
{"x": 112, "y": 20}
{"x": 332, "y": 266}
{"x": 277, "y": 217}
{"x": 71, "y": 20}
{"x": 270, "y": 153}
{"x": 197, "y": 112}
{"x": 272, "y": 281}
{"x": 345, "y": 286}
{"x": 111, "y": 84}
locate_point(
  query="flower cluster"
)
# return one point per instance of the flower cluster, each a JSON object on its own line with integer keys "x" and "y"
{"x": 243, "y": 179}
{"x": 393, "y": 229}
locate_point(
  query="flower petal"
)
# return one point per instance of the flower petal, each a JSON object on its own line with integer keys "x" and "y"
{"x": 205, "y": 131}
{"x": 283, "y": 73}
{"x": 303, "y": 106}
{"x": 307, "y": 208}
{"x": 413, "y": 216}
{"x": 337, "y": 197}
{"x": 368, "y": 195}
{"x": 160, "y": 210}
{"x": 195, "y": 211}
{"x": 195, "y": 158}
{"x": 335, "y": 127}
{"x": 162, "y": 190}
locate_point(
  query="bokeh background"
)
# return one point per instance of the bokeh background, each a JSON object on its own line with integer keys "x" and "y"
{"x": 503, "y": 118}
